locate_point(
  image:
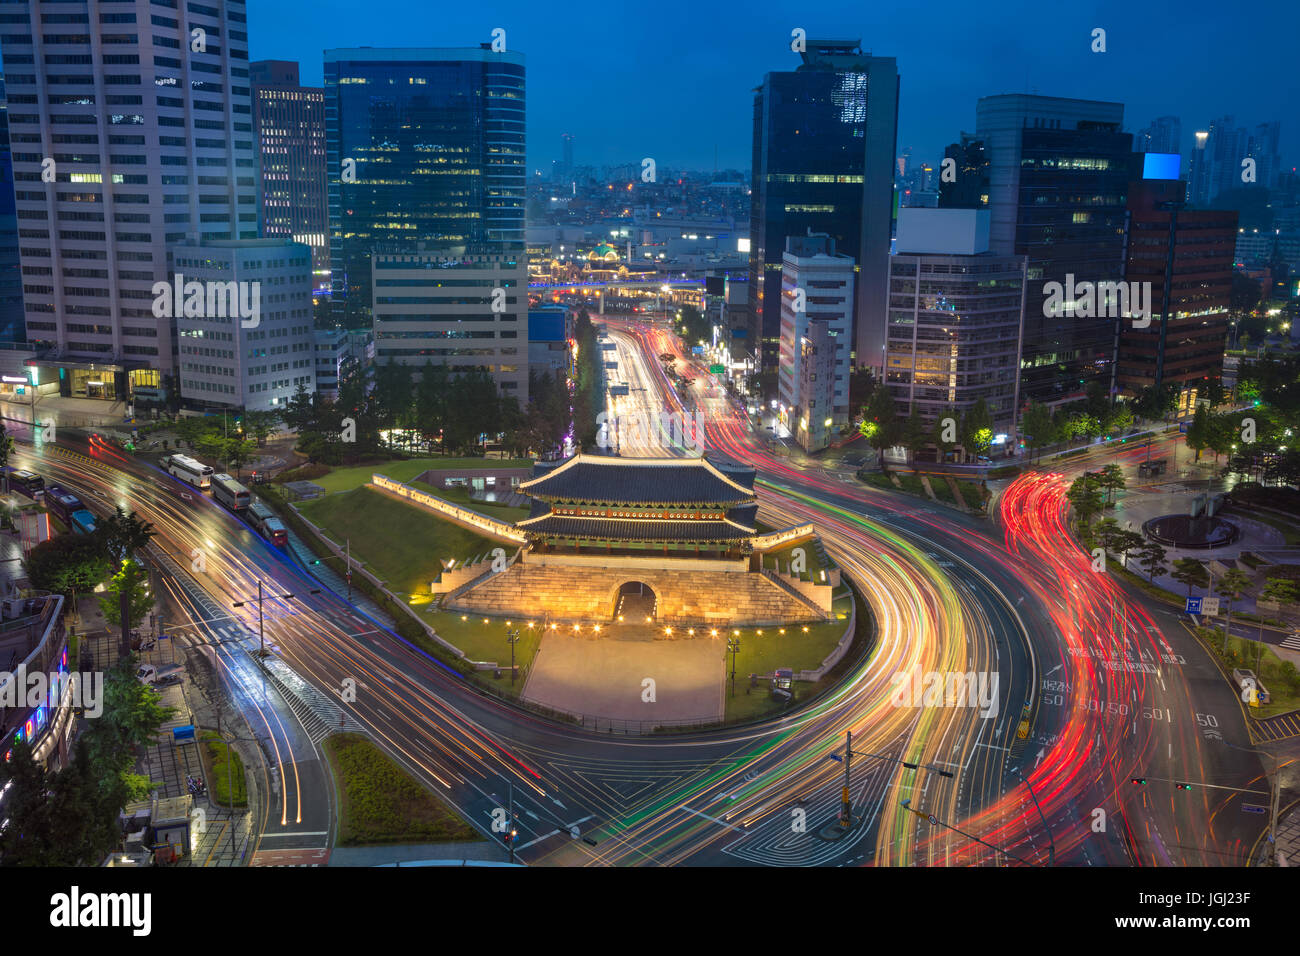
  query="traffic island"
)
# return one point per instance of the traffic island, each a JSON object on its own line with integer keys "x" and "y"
{"x": 380, "y": 803}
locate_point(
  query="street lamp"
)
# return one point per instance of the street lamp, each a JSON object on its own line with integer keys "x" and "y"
{"x": 512, "y": 638}
{"x": 733, "y": 645}
{"x": 261, "y": 635}
{"x": 1051, "y": 850}
{"x": 1276, "y": 788}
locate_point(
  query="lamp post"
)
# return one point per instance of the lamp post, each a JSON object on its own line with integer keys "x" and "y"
{"x": 1051, "y": 850}
{"x": 1276, "y": 793}
{"x": 261, "y": 633}
{"x": 512, "y": 638}
{"x": 733, "y": 645}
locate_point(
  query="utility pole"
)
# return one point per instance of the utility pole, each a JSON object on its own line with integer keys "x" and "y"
{"x": 1051, "y": 849}
{"x": 510, "y": 834}
{"x": 846, "y": 807}
{"x": 349, "y": 560}
{"x": 261, "y": 633}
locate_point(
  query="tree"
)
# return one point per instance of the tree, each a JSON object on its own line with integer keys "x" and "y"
{"x": 67, "y": 563}
{"x": 1126, "y": 541}
{"x": 1282, "y": 592}
{"x": 1232, "y": 586}
{"x": 880, "y": 425}
{"x": 1105, "y": 533}
{"x": 132, "y": 580}
{"x": 1037, "y": 426}
{"x": 1112, "y": 480}
{"x": 124, "y": 534}
{"x": 1151, "y": 557}
{"x": 1198, "y": 432}
{"x": 915, "y": 435}
{"x": 238, "y": 452}
{"x": 260, "y": 424}
{"x": 1086, "y": 499}
{"x": 977, "y": 428}
{"x": 1187, "y": 571}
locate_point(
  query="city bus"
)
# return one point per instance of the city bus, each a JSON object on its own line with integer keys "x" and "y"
{"x": 190, "y": 471}
{"x": 82, "y": 522}
{"x": 27, "y": 483}
{"x": 62, "y": 503}
{"x": 230, "y": 493}
{"x": 266, "y": 524}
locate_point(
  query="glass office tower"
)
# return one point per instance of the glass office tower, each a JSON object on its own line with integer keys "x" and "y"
{"x": 426, "y": 154}
{"x": 823, "y": 148}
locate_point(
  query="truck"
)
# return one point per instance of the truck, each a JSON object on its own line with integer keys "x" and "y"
{"x": 1252, "y": 691}
{"x": 160, "y": 676}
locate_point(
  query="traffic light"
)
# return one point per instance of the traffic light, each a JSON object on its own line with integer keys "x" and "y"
{"x": 315, "y": 560}
{"x": 1140, "y": 781}
{"x": 1184, "y": 786}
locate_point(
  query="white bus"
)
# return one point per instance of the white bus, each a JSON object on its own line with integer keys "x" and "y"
{"x": 230, "y": 493}
{"x": 188, "y": 470}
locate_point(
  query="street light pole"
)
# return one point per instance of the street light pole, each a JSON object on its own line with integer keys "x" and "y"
{"x": 261, "y": 596}
{"x": 1273, "y": 799}
{"x": 1051, "y": 850}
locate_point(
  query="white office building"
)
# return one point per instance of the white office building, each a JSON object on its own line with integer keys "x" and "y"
{"x": 817, "y": 289}
{"x": 466, "y": 311}
{"x": 254, "y": 356}
{"x": 131, "y": 130}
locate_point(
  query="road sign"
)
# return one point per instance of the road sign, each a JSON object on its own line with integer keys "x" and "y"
{"x": 717, "y": 369}
{"x": 1022, "y": 732}
{"x": 1209, "y": 606}
{"x": 1193, "y": 605}
{"x": 1253, "y": 808}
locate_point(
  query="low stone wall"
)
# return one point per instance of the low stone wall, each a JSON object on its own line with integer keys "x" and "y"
{"x": 560, "y": 593}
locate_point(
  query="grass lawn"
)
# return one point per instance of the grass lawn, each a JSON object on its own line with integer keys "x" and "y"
{"x": 1268, "y": 668}
{"x": 459, "y": 496}
{"x": 399, "y": 542}
{"x": 780, "y": 559}
{"x": 764, "y": 653}
{"x": 379, "y": 802}
{"x": 487, "y": 642}
{"x": 221, "y": 776}
{"x": 345, "y": 479}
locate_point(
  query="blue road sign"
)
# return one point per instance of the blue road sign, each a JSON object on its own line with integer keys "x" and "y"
{"x": 1193, "y": 605}
{"x": 1252, "y": 808}
{"x": 185, "y": 732}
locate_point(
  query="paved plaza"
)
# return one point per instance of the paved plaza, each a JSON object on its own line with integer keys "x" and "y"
{"x": 604, "y": 677}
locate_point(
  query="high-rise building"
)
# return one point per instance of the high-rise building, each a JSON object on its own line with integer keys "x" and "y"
{"x": 1185, "y": 257}
{"x": 966, "y": 185}
{"x": 465, "y": 311}
{"x": 426, "y": 146}
{"x": 254, "y": 359}
{"x": 12, "y": 325}
{"x": 1164, "y": 135}
{"x": 823, "y": 161}
{"x": 1058, "y": 171}
{"x": 290, "y": 124}
{"x": 1264, "y": 150}
{"x": 817, "y": 297}
{"x": 141, "y": 136}
{"x": 955, "y": 318}
{"x": 1217, "y": 160}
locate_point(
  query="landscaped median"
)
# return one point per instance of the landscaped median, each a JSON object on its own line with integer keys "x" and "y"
{"x": 380, "y": 803}
{"x": 224, "y": 769}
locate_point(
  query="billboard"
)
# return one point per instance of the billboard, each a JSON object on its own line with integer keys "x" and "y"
{"x": 1161, "y": 165}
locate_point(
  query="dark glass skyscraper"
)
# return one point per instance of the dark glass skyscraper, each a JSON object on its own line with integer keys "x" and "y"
{"x": 290, "y": 124}
{"x": 13, "y": 328}
{"x": 1058, "y": 179}
{"x": 824, "y": 142}
{"x": 425, "y": 150}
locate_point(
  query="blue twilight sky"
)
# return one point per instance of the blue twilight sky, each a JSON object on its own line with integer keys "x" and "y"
{"x": 674, "y": 79}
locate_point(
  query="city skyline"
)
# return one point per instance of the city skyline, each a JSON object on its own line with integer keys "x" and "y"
{"x": 1244, "y": 74}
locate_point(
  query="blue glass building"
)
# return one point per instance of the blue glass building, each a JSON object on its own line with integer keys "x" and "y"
{"x": 425, "y": 153}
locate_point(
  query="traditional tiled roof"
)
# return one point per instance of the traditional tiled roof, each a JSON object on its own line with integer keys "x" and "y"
{"x": 640, "y": 481}
{"x": 635, "y": 529}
